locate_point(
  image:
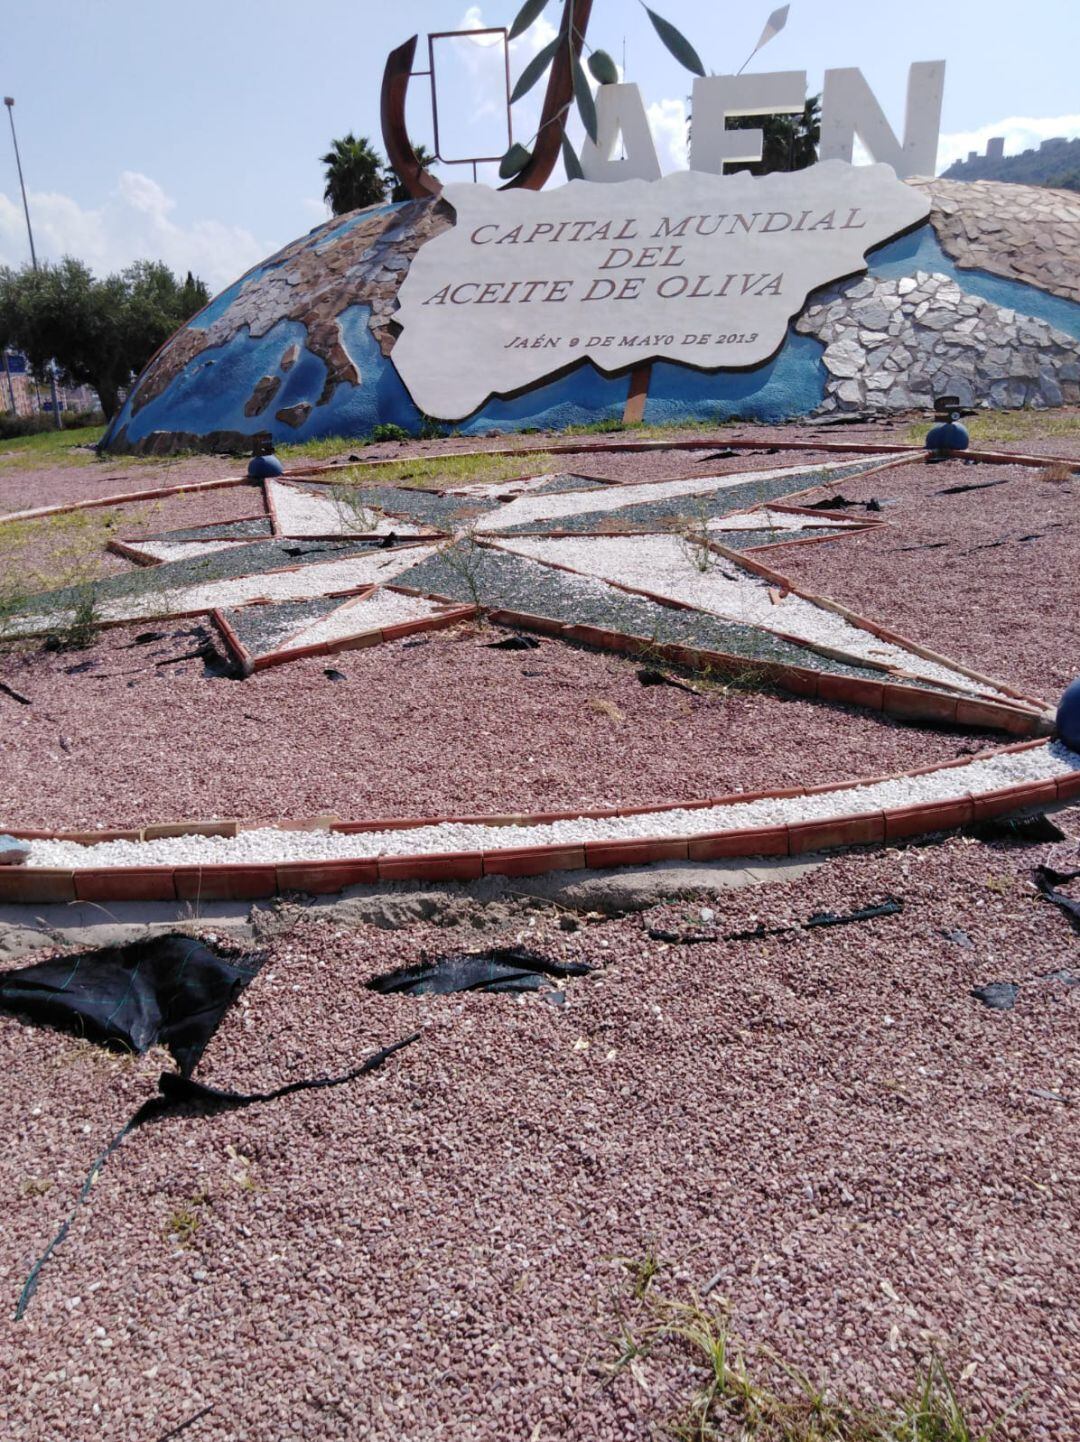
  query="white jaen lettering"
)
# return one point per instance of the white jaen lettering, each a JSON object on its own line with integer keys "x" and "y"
{"x": 849, "y": 111}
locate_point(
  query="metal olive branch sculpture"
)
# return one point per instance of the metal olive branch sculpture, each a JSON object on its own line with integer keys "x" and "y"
{"x": 568, "y": 82}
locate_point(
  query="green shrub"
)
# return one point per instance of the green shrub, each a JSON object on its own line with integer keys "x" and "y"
{"x": 389, "y": 432}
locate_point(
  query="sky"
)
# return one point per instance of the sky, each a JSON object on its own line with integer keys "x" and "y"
{"x": 192, "y": 134}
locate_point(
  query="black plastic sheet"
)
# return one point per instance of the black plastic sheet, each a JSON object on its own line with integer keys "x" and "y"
{"x": 503, "y": 968}
{"x": 169, "y": 989}
{"x": 1048, "y": 882}
{"x": 175, "y": 1096}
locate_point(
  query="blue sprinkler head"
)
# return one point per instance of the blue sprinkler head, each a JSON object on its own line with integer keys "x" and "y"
{"x": 1068, "y": 716}
{"x": 264, "y": 463}
{"x": 947, "y": 436}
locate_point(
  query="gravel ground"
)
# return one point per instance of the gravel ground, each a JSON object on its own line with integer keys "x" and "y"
{"x": 281, "y": 570}
{"x": 513, "y": 582}
{"x": 23, "y": 487}
{"x": 661, "y": 564}
{"x": 367, "y": 613}
{"x": 982, "y": 775}
{"x": 868, "y": 1160}
{"x": 38, "y": 554}
{"x": 129, "y": 739}
{"x": 317, "y": 511}
{"x": 653, "y": 506}
{"x": 938, "y": 574}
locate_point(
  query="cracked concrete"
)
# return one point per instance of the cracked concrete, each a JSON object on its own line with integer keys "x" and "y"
{"x": 25, "y": 929}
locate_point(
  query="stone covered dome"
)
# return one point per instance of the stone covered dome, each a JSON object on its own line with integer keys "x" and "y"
{"x": 982, "y": 302}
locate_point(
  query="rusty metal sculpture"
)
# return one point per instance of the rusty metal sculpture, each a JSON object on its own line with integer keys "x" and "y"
{"x": 420, "y": 183}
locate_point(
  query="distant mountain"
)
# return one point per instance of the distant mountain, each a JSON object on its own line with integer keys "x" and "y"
{"x": 1056, "y": 165}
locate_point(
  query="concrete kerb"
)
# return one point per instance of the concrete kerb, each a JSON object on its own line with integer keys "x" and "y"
{"x": 391, "y": 906}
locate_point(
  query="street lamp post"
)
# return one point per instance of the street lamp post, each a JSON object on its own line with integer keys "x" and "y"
{"x": 9, "y": 101}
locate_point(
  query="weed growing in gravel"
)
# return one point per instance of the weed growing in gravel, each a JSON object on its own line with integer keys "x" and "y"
{"x": 733, "y": 1399}
{"x": 1000, "y": 885}
{"x": 696, "y": 540}
{"x": 606, "y": 708}
{"x": 243, "y": 1178}
{"x": 352, "y": 512}
{"x": 642, "y": 1270}
{"x": 186, "y": 1220}
{"x": 115, "y": 1057}
{"x": 35, "y": 1186}
{"x": 466, "y": 559}
{"x": 57, "y": 550}
{"x": 1057, "y": 472}
{"x": 748, "y": 679}
{"x": 80, "y": 631}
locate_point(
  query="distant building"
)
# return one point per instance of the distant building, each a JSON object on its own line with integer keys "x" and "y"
{"x": 21, "y": 395}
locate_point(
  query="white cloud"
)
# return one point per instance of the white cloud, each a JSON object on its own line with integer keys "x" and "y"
{"x": 134, "y": 223}
{"x": 1021, "y": 132}
{"x": 667, "y": 120}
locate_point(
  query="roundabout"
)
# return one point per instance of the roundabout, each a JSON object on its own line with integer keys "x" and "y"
{"x": 679, "y": 581}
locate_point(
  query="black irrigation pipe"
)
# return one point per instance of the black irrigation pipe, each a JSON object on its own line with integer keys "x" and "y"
{"x": 183, "y": 1426}
{"x": 174, "y": 1093}
{"x": 889, "y": 907}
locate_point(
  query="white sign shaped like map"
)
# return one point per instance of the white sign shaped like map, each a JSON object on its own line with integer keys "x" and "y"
{"x": 702, "y": 269}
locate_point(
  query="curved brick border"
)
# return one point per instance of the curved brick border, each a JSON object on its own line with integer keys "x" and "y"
{"x": 253, "y": 880}
{"x": 313, "y": 472}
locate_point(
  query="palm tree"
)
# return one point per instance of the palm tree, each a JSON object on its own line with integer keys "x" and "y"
{"x": 425, "y": 159}
{"x": 354, "y": 174}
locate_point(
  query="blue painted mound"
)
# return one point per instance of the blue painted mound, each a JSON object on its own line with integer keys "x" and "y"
{"x": 300, "y": 347}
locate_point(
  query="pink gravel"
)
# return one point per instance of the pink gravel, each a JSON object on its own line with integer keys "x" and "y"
{"x": 131, "y": 741}
{"x": 1007, "y": 610}
{"x": 827, "y": 1122}
{"x": 44, "y": 547}
{"x": 23, "y": 488}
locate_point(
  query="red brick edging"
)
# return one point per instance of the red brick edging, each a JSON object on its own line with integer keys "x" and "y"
{"x": 252, "y": 880}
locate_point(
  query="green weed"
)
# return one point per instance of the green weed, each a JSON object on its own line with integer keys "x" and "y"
{"x": 736, "y": 1399}
{"x": 185, "y": 1221}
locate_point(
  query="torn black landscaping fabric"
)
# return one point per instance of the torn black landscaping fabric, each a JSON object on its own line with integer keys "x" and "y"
{"x": 1034, "y": 828}
{"x": 504, "y": 968}
{"x": 171, "y": 989}
{"x": 1048, "y": 881}
{"x": 176, "y": 1094}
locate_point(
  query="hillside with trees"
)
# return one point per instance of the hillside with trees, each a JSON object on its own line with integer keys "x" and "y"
{"x": 1055, "y": 165}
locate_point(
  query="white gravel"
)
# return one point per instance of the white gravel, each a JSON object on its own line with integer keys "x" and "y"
{"x": 548, "y": 509}
{"x": 304, "y": 583}
{"x": 494, "y": 490}
{"x": 777, "y": 521}
{"x": 269, "y": 844}
{"x": 667, "y": 566}
{"x": 301, "y": 513}
{"x": 366, "y": 613}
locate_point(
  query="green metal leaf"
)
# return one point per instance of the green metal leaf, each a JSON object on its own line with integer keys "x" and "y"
{"x": 530, "y": 11}
{"x": 603, "y": 68}
{"x": 514, "y": 161}
{"x": 676, "y": 42}
{"x": 571, "y": 162}
{"x": 584, "y": 97}
{"x": 535, "y": 68}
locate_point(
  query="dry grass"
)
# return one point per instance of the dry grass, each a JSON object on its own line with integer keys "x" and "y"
{"x": 740, "y": 1395}
{"x": 436, "y": 473}
{"x": 606, "y": 708}
{"x": 990, "y": 428}
{"x": 59, "y": 550}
